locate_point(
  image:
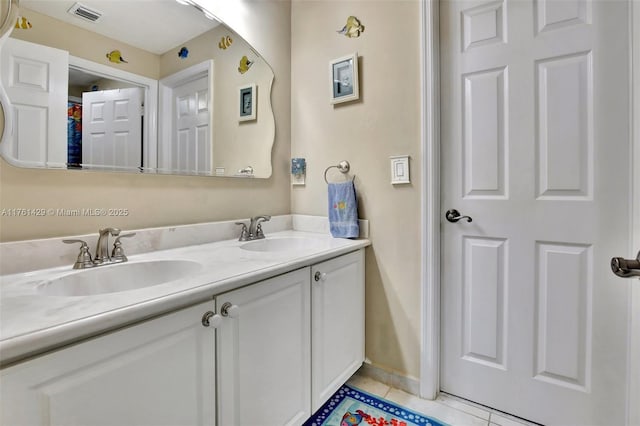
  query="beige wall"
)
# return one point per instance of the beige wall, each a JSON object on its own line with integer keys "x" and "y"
{"x": 162, "y": 200}
{"x": 384, "y": 122}
{"x": 86, "y": 44}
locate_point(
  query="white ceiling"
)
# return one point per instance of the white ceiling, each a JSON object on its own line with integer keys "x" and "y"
{"x": 153, "y": 25}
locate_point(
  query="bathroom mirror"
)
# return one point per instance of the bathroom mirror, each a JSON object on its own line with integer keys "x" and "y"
{"x": 138, "y": 86}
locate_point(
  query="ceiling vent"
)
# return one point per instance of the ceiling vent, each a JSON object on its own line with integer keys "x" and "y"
{"x": 84, "y": 12}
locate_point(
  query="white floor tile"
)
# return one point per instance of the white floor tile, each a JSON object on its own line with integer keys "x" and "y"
{"x": 502, "y": 420}
{"x": 435, "y": 409}
{"x": 463, "y": 406}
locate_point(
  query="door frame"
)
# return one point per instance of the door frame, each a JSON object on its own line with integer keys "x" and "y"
{"x": 633, "y": 410}
{"x": 430, "y": 205}
{"x": 430, "y": 198}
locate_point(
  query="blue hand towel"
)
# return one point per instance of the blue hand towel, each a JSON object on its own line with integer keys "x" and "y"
{"x": 343, "y": 210}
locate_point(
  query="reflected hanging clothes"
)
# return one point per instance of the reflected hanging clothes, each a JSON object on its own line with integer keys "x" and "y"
{"x": 74, "y": 134}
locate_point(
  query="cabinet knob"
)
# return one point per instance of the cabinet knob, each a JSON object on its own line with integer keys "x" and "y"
{"x": 320, "y": 276}
{"x": 230, "y": 310}
{"x": 210, "y": 319}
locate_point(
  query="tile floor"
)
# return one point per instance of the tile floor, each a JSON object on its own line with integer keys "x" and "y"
{"x": 449, "y": 409}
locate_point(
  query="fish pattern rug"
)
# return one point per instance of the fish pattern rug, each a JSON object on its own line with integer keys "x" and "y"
{"x": 350, "y": 406}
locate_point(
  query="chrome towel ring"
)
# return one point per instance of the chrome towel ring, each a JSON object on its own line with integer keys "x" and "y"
{"x": 342, "y": 166}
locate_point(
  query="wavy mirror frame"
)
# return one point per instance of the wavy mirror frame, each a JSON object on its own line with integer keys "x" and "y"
{"x": 233, "y": 153}
{"x": 6, "y": 115}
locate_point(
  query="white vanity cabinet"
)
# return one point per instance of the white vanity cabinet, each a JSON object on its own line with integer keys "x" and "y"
{"x": 264, "y": 357}
{"x": 288, "y": 343}
{"x": 337, "y": 307}
{"x": 158, "y": 372}
{"x": 273, "y": 353}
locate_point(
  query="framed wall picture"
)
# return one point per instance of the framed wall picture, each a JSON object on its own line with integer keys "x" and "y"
{"x": 344, "y": 79}
{"x": 247, "y": 102}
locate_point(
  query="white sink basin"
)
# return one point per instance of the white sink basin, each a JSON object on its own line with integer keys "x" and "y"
{"x": 286, "y": 244}
{"x": 118, "y": 277}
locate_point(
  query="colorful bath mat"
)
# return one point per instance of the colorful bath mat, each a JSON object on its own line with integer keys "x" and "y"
{"x": 350, "y": 406}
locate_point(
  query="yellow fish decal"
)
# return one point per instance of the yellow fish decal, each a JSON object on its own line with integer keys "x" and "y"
{"x": 22, "y": 23}
{"x": 225, "y": 42}
{"x": 245, "y": 64}
{"x": 115, "y": 57}
{"x": 353, "y": 28}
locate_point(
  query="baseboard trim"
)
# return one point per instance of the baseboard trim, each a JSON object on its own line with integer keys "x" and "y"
{"x": 390, "y": 378}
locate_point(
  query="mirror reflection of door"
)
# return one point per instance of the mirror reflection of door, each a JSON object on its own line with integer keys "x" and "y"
{"x": 191, "y": 148}
{"x": 47, "y": 97}
{"x": 35, "y": 78}
{"x": 112, "y": 128}
{"x": 104, "y": 121}
{"x": 186, "y": 140}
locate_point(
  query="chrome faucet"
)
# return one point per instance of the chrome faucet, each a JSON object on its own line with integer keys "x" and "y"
{"x": 247, "y": 171}
{"x": 103, "y": 257}
{"x": 102, "y": 249}
{"x": 254, "y": 231}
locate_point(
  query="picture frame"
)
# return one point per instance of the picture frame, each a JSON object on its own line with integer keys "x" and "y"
{"x": 247, "y": 102}
{"x": 344, "y": 79}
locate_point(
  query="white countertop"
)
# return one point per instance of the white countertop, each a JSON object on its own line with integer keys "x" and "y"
{"x": 31, "y": 323}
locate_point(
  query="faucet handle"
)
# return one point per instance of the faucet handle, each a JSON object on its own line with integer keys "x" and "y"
{"x": 129, "y": 235}
{"x": 244, "y": 233}
{"x": 73, "y": 241}
{"x": 256, "y": 231}
{"x": 259, "y": 232}
{"x": 84, "y": 259}
{"x": 117, "y": 255}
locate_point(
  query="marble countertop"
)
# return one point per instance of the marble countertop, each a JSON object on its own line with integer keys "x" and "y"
{"x": 32, "y": 323}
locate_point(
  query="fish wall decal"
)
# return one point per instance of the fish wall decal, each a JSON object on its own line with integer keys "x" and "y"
{"x": 245, "y": 64}
{"x": 353, "y": 28}
{"x": 23, "y": 23}
{"x": 225, "y": 42}
{"x": 116, "y": 57}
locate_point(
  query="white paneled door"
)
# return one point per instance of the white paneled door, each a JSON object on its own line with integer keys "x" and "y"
{"x": 192, "y": 141}
{"x": 112, "y": 128}
{"x": 535, "y": 143}
{"x": 36, "y": 80}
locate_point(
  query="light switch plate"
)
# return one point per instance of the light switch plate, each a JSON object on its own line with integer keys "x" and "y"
{"x": 400, "y": 169}
{"x": 297, "y": 179}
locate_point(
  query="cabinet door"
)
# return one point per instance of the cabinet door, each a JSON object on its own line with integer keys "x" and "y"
{"x": 264, "y": 353}
{"x": 337, "y": 294}
{"x": 160, "y": 372}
